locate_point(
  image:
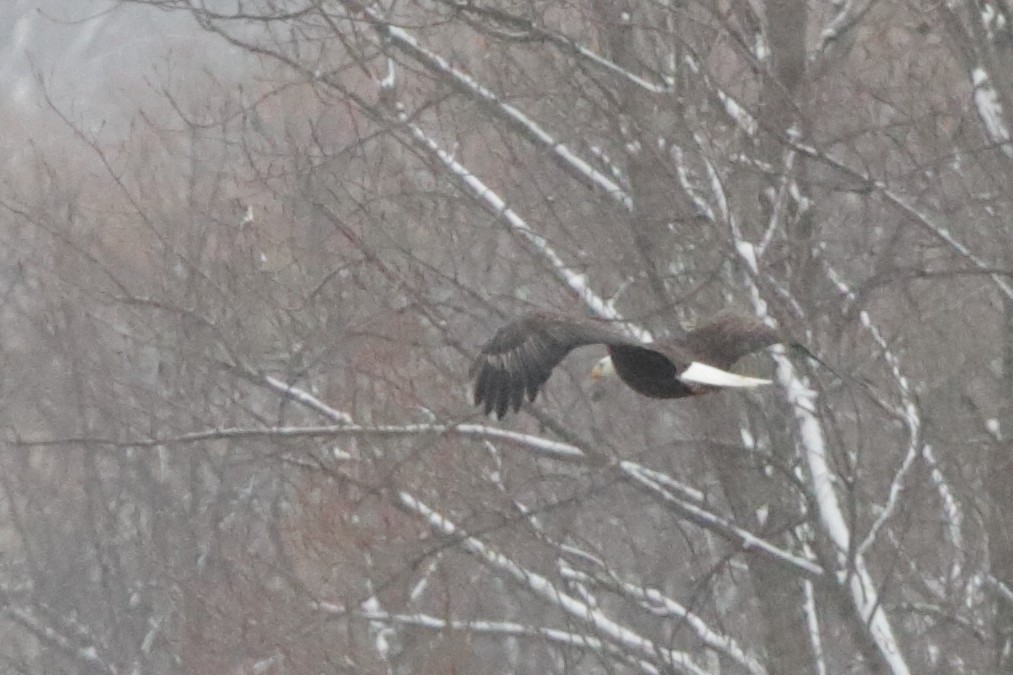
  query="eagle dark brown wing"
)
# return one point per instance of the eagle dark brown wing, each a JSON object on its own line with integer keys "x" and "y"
{"x": 726, "y": 339}
{"x": 522, "y": 354}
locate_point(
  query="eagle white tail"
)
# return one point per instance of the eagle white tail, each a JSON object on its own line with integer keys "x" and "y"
{"x": 701, "y": 373}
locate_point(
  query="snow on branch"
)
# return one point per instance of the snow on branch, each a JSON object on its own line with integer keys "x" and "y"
{"x": 307, "y": 399}
{"x": 907, "y": 411}
{"x": 951, "y": 510}
{"x": 662, "y": 479}
{"x": 724, "y": 528}
{"x": 895, "y": 488}
{"x": 848, "y": 15}
{"x": 385, "y": 639}
{"x": 786, "y": 185}
{"x": 864, "y": 593}
{"x": 1001, "y": 589}
{"x": 735, "y": 110}
{"x": 84, "y": 653}
{"x": 602, "y": 626}
{"x": 529, "y": 129}
{"x": 683, "y": 173}
{"x": 530, "y": 30}
{"x": 813, "y": 624}
{"x": 661, "y": 605}
{"x": 650, "y": 599}
{"x": 577, "y": 282}
{"x": 542, "y": 446}
{"x": 507, "y": 629}
{"x": 537, "y": 444}
{"x": 990, "y": 112}
{"x": 554, "y": 449}
{"x": 930, "y": 224}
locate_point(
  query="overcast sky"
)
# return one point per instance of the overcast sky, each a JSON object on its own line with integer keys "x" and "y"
{"x": 96, "y": 55}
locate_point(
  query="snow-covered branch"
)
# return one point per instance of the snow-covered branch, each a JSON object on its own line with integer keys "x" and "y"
{"x": 472, "y": 184}
{"x": 384, "y": 636}
{"x": 848, "y": 15}
{"x": 577, "y": 282}
{"x": 638, "y": 471}
{"x": 1001, "y": 589}
{"x": 907, "y": 411}
{"x": 659, "y": 604}
{"x": 990, "y": 112}
{"x": 306, "y": 399}
{"x": 651, "y": 599}
{"x": 529, "y": 30}
{"x": 84, "y": 652}
{"x": 527, "y": 127}
{"x": 813, "y": 624}
{"x": 811, "y": 439}
{"x": 543, "y": 588}
{"x": 684, "y": 175}
{"x": 504, "y": 629}
{"x": 742, "y": 538}
{"x": 735, "y": 110}
{"x": 951, "y": 509}
{"x": 537, "y": 444}
{"x": 930, "y": 224}
{"x": 864, "y": 592}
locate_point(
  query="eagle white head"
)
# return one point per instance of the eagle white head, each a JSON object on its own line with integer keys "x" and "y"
{"x": 603, "y": 368}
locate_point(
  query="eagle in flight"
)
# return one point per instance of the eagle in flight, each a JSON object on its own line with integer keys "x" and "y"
{"x": 521, "y": 355}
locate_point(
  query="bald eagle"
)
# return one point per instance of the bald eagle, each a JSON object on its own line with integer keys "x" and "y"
{"x": 521, "y": 355}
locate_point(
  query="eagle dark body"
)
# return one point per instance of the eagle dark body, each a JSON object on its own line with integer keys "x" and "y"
{"x": 650, "y": 372}
{"x": 519, "y": 358}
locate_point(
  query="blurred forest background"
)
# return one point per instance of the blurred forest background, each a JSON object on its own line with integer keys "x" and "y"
{"x": 249, "y": 248}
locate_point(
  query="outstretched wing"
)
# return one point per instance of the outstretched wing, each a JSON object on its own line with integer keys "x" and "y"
{"x": 729, "y": 337}
{"x": 521, "y": 355}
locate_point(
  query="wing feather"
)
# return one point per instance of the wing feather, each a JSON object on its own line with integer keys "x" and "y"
{"x": 518, "y": 366}
{"x": 521, "y": 356}
{"x": 534, "y": 366}
{"x": 482, "y": 386}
